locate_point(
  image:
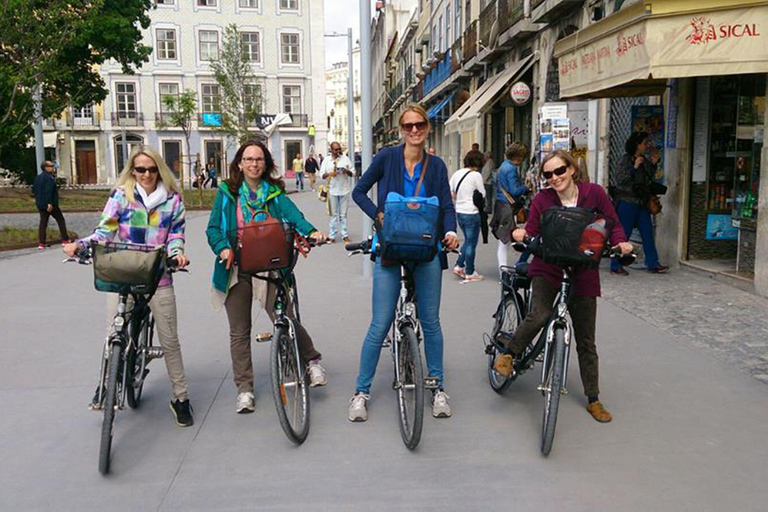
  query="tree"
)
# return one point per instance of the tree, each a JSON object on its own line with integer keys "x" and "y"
{"x": 241, "y": 92}
{"x": 180, "y": 111}
{"x": 58, "y": 45}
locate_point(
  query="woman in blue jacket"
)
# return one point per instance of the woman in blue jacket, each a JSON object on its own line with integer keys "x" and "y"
{"x": 510, "y": 192}
{"x": 398, "y": 170}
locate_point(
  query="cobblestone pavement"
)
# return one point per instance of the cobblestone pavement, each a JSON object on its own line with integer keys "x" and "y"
{"x": 731, "y": 323}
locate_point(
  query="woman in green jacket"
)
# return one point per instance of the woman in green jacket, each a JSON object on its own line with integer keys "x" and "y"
{"x": 253, "y": 185}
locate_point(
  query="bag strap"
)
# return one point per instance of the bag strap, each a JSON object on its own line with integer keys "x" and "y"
{"x": 421, "y": 178}
{"x": 507, "y": 195}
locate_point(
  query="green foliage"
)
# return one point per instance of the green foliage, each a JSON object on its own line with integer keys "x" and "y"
{"x": 180, "y": 112}
{"x": 241, "y": 92}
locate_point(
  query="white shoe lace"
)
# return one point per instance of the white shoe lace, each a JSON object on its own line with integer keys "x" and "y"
{"x": 245, "y": 399}
{"x": 440, "y": 399}
{"x": 316, "y": 373}
{"x": 359, "y": 400}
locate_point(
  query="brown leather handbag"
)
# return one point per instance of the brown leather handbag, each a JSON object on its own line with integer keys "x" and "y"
{"x": 654, "y": 205}
{"x": 265, "y": 245}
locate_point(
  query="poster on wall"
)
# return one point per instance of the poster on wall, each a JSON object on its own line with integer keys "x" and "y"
{"x": 719, "y": 227}
{"x": 578, "y": 113}
{"x": 650, "y": 119}
{"x": 554, "y": 128}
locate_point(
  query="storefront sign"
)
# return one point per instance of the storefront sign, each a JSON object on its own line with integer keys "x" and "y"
{"x": 719, "y": 227}
{"x": 558, "y": 111}
{"x": 520, "y": 93}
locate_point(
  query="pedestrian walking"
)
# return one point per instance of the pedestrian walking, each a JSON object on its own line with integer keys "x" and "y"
{"x": 399, "y": 169}
{"x": 566, "y": 190}
{"x": 210, "y": 171}
{"x": 145, "y": 192}
{"x": 631, "y": 183}
{"x": 298, "y": 171}
{"x": 311, "y": 167}
{"x": 489, "y": 176}
{"x": 47, "y": 201}
{"x": 253, "y": 187}
{"x": 338, "y": 168}
{"x": 510, "y": 192}
{"x": 466, "y": 184}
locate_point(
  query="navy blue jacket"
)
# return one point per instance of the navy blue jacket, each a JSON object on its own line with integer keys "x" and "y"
{"x": 46, "y": 191}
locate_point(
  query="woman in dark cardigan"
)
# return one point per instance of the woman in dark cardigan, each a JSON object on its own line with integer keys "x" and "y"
{"x": 398, "y": 170}
{"x": 566, "y": 189}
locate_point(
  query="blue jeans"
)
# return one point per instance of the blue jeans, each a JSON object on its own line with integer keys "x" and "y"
{"x": 339, "y": 205}
{"x": 470, "y": 226}
{"x": 386, "y": 290}
{"x": 637, "y": 216}
{"x": 299, "y": 181}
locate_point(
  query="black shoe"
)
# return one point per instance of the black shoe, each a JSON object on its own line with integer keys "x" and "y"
{"x": 96, "y": 404}
{"x": 182, "y": 411}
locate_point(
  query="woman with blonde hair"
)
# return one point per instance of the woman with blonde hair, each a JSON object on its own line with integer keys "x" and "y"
{"x": 399, "y": 169}
{"x": 146, "y": 207}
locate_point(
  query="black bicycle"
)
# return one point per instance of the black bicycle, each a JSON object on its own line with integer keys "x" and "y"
{"x": 409, "y": 381}
{"x": 129, "y": 347}
{"x": 288, "y": 369}
{"x": 551, "y": 348}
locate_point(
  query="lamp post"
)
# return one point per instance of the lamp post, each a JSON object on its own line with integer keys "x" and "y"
{"x": 365, "y": 114}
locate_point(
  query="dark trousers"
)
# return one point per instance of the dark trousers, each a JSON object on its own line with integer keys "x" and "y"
{"x": 637, "y": 216}
{"x": 583, "y": 312}
{"x": 56, "y": 214}
{"x": 489, "y": 198}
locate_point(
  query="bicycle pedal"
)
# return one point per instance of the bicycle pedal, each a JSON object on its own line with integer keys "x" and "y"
{"x": 395, "y": 385}
{"x": 154, "y": 353}
{"x": 539, "y": 358}
{"x": 490, "y": 349}
{"x": 262, "y": 338}
{"x": 431, "y": 382}
{"x": 387, "y": 342}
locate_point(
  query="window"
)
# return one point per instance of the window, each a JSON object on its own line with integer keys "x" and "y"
{"x": 251, "y": 4}
{"x": 172, "y": 155}
{"x": 251, "y": 46}
{"x": 206, "y": 3}
{"x": 252, "y": 98}
{"x": 166, "y": 44}
{"x": 457, "y": 8}
{"x": 289, "y": 5}
{"x": 126, "y": 99}
{"x": 165, "y": 2}
{"x": 448, "y": 40}
{"x": 292, "y": 99}
{"x": 209, "y": 45}
{"x": 168, "y": 92}
{"x": 131, "y": 142}
{"x": 440, "y": 34}
{"x": 211, "y": 99}
{"x": 289, "y": 44}
{"x": 433, "y": 41}
{"x": 83, "y": 116}
{"x": 467, "y": 14}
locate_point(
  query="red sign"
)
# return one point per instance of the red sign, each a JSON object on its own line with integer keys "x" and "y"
{"x": 520, "y": 93}
{"x": 704, "y": 31}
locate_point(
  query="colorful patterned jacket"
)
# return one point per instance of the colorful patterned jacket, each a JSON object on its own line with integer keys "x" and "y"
{"x": 132, "y": 223}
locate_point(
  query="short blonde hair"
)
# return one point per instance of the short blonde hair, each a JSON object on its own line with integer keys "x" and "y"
{"x": 128, "y": 181}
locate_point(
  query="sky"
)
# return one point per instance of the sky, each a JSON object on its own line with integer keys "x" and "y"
{"x": 339, "y": 16}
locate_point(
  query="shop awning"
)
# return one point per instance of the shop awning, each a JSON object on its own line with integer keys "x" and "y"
{"x": 635, "y": 51}
{"x": 467, "y": 116}
{"x": 438, "y": 108}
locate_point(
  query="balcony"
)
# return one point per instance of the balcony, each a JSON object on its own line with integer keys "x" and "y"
{"x": 81, "y": 121}
{"x": 127, "y": 118}
{"x": 547, "y": 11}
{"x": 457, "y": 50}
{"x": 510, "y": 12}
{"x": 439, "y": 74}
{"x": 165, "y": 118}
{"x": 298, "y": 121}
{"x": 470, "y": 42}
{"x": 487, "y": 17}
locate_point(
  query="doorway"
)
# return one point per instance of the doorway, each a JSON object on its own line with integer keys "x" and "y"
{"x": 213, "y": 150}
{"x": 292, "y": 148}
{"x": 85, "y": 161}
{"x": 172, "y": 156}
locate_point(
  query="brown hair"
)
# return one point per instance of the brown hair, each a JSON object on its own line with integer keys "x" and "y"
{"x": 517, "y": 151}
{"x": 415, "y": 107}
{"x": 236, "y": 174}
{"x": 474, "y": 159}
{"x": 578, "y": 175}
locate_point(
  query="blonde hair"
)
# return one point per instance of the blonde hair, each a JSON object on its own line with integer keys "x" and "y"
{"x": 418, "y": 109}
{"x": 578, "y": 175}
{"x": 128, "y": 181}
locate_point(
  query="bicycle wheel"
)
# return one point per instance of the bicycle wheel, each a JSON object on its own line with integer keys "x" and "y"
{"x": 410, "y": 388}
{"x": 110, "y": 403}
{"x": 137, "y": 361}
{"x": 290, "y": 386}
{"x": 553, "y": 387}
{"x": 506, "y": 321}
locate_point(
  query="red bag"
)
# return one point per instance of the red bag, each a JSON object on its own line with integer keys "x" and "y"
{"x": 265, "y": 245}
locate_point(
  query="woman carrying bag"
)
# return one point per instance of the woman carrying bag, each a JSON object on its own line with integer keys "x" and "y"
{"x": 509, "y": 198}
{"x": 400, "y": 170}
{"x": 465, "y": 185}
{"x": 252, "y": 193}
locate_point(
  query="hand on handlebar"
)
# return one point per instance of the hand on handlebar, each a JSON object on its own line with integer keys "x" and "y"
{"x": 181, "y": 260}
{"x": 451, "y": 242}
{"x": 624, "y": 247}
{"x": 71, "y": 249}
{"x": 519, "y": 234}
{"x": 319, "y": 237}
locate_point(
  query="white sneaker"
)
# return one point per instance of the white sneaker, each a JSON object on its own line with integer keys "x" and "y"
{"x": 317, "y": 375}
{"x": 440, "y": 407}
{"x": 471, "y": 278}
{"x": 459, "y": 271}
{"x": 358, "y": 409}
{"x": 246, "y": 403}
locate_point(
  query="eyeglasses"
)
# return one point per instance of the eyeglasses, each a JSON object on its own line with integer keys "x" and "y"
{"x": 420, "y": 126}
{"x": 142, "y": 170}
{"x": 252, "y": 160}
{"x": 557, "y": 172}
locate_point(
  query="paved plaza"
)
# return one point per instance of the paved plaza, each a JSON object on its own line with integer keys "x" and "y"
{"x": 683, "y": 365}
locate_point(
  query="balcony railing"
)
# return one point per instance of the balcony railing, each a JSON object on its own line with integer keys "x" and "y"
{"x": 299, "y": 120}
{"x": 165, "y": 118}
{"x": 91, "y": 121}
{"x": 487, "y": 17}
{"x": 510, "y": 12}
{"x": 470, "y": 41}
{"x": 439, "y": 74}
{"x": 127, "y": 118}
{"x": 457, "y": 49}
{"x": 408, "y": 76}
{"x": 546, "y": 11}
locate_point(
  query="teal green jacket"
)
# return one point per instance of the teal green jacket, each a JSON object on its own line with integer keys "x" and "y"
{"x": 222, "y": 226}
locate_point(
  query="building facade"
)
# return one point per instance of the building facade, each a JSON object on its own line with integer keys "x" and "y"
{"x": 282, "y": 38}
{"x": 336, "y": 79}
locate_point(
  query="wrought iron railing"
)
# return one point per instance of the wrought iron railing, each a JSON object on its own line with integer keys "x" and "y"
{"x": 470, "y": 41}
{"x": 127, "y": 118}
{"x": 486, "y": 20}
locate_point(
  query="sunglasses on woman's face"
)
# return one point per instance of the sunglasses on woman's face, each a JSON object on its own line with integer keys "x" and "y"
{"x": 142, "y": 170}
{"x": 420, "y": 126}
{"x": 557, "y": 172}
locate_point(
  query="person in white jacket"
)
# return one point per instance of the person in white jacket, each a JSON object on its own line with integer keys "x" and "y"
{"x": 465, "y": 183}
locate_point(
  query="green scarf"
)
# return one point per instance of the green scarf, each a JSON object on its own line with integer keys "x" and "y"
{"x": 251, "y": 202}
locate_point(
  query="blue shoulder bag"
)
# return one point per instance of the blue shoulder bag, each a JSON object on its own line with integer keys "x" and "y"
{"x": 411, "y": 225}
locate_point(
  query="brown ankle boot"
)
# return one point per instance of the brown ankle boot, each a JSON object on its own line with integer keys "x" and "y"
{"x": 599, "y": 412}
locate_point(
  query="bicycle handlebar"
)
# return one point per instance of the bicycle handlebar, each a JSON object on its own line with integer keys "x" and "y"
{"x": 366, "y": 246}
{"x": 85, "y": 257}
{"x": 530, "y": 242}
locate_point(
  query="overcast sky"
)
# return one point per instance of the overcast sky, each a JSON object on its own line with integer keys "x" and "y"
{"x": 339, "y": 16}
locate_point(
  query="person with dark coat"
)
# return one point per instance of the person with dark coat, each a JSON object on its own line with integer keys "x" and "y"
{"x": 47, "y": 202}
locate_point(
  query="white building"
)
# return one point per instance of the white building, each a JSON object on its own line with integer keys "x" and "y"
{"x": 337, "y": 83}
{"x": 285, "y": 41}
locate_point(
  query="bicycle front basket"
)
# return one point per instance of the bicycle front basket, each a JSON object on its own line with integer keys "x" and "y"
{"x": 121, "y": 267}
{"x": 561, "y": 236}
